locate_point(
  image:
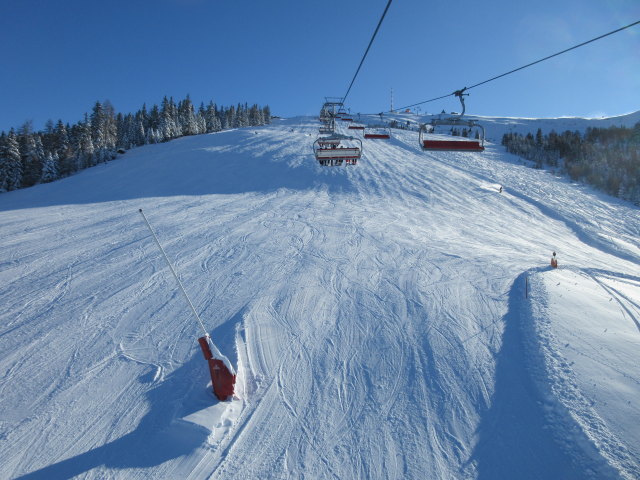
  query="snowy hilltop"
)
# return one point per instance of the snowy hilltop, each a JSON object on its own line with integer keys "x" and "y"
{"x": 398, "y": 318}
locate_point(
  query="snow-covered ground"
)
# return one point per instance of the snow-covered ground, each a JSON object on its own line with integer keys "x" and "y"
{"x": 394, "y": 319}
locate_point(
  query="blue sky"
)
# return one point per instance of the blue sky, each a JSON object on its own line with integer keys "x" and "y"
{"x": 60, "y": 56}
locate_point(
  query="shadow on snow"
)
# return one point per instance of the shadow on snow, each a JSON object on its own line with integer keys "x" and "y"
{"x": 515, "y": 438}
{"x": 160, "y": 436}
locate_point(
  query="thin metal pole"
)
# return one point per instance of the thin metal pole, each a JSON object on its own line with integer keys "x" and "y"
{"x": 175, "y": 275}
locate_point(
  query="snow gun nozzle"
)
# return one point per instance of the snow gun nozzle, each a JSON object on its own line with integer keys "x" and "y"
{"x": 222, "y": 380}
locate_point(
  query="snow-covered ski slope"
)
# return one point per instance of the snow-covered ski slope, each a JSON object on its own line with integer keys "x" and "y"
{"x": 376, "y": 315}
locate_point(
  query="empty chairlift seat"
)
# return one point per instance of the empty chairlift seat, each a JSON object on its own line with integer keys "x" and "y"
{"x": 453, "y": 145}
{"x": 377, "y": 132}
{"x": 460, "y": 144}
{"x": 463, "y": 143}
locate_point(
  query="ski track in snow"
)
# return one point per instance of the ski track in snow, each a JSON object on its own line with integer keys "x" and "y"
{"x": 375, "y": 313}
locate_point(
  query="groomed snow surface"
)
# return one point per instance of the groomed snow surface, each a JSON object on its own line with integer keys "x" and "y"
{"x": 396, "y": 319}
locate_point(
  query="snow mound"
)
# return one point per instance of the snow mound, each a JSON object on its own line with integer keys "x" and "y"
{"x": 585, "y": 325}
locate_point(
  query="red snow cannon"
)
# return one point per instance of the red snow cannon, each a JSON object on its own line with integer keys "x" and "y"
{"x": 222, "y": 379}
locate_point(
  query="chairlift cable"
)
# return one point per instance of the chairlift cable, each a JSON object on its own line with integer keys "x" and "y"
{"x": 367, "y": 50}
{"x": 554, "y": 55}
{"x": 524, "y": 66}
{"x": 420, "y": 103}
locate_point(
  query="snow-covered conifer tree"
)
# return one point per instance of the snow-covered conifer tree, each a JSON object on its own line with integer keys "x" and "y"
{"x": 61, "y": 140}
{"x": 10, "y": 162}
{"x": 211, "y": 118}
{"x": 32, "y": 155}
{"x": 255, "y": 116}
{"x": 103, "y": 131}
{"x": 202, "y": 123}
{"x": 188, "y": 120}
{"x": 229, "y": 118}
{"x": 168, "y": 127}
{"x": 49, "y": 169}
{"x": 84, "y": 151}
{"x": 266, "y": 115}
{"x": 242, "y": 117}
{"x": 48, "y": 135}
{"x": 63, "y": 150}
{"x": 138, "y": 134}
{"x": 154, "y": 119}
{"x": 110, "y": 129}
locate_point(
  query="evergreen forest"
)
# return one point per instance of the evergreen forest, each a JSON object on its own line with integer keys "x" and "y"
{"x": 29, "y": 157}
{"x": 606, "y": 158}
